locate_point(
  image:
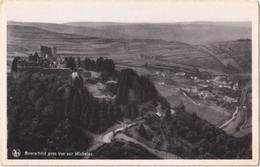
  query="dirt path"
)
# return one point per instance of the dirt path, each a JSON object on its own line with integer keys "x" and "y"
{"x": 234, "y": 115}
{"x": 194, "y": 102}
{"x": 160, "y": 154}
{"x": 235, "y": 126}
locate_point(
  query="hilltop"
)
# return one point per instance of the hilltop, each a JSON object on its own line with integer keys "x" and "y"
{"x": 187, "y": 32}
{"x": 131, "y": 52}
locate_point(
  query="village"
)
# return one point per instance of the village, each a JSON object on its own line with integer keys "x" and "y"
{"x": 218, "y": 90}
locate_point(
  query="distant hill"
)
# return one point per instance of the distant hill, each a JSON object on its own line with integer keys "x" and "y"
{"x": 76, "y": 30}
{"x": 190, "y": 32}
{"x": 26, "y": 39}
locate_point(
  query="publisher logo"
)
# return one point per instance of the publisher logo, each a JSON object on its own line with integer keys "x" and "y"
{"x": 16, "y": 153}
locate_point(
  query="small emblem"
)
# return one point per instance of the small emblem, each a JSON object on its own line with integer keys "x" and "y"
{"x": 16, "y": 153}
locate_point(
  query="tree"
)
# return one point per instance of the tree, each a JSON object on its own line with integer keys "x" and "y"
{"x": 14, "y": 65}
{"x": 73, "y": 64}
{"x": 203, "y": 143}
{"x": 132, "y": 111}
{"x": 194, "y": 116}
{"x": 135, "y": 111}
{"x": 36, "y": 56}
{"x": 168, "y": 116}
{"x": 87, "y": 63}
{"x": 76, "y": 108}
{"x": 183, "y": 130}
{"x": 198, "y": 124}
{"x": 92, "y": 65}
{"x": 99, "y": 64}
{"x": 78, "y": 83}
{"x": 191, "y": 136}
{"x": 122, "y": 94}
{"x": 70, "y": 63}
{"x": 110, "y": 114}
{"x": 142, "y": 131}
{"x": 220, "y": 139}
{"x": 108, "y": 66}
{"x": 118, "y": 113}
{"x": 78, "y": 62}
{"x": 141, "y": 87}
{"x": 181, "y": 106}
{"x": 94, "y": 123}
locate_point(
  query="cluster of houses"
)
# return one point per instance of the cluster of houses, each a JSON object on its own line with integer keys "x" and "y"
{"x": 223, "y": 82}
{"x": 218, "y": 81}
{"x": 212, "y": 89}
{"x": 216, "y": 89}
{"x": 207, "y": 95}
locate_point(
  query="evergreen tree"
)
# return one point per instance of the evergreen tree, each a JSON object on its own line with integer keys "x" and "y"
{"x": 92, "y": 65}
{"x": 142, "y": 131}
{"x": 168, "y": 116}
{"x": 70, "y": 63}
{"x": 118, "y": 113}
{"x": 36, "y": 56}
{"x": 108, "y": 66}
{"x": 109, "y": 115}
{"x": 78, "y": 62}
{"x": 135, "y": 112}
{"x": 99, "y": 64}
{"x": 102, "y": 117}
{"x": 76, "y": 108}
{"x": 87, "y": 63}
{"x": 14, "y": 65}
{"x": 94, "y": 123}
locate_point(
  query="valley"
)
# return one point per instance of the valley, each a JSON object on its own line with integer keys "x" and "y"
{"x": 146, "y": 98}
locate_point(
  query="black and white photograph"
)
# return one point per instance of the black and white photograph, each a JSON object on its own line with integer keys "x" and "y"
{"x": 130, "y": 81}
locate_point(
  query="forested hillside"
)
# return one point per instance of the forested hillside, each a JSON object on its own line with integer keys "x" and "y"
{"x": 36, "y": 117}
{"x": 50, "y": 108}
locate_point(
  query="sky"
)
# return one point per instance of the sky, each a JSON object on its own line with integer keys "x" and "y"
{"x": 126, "y": 11}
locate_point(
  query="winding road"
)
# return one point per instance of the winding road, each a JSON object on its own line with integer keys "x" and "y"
{"x": 107, "y": 138}
{"x": 159, "y": 153}
{"x": 100, "y": 140}
{"x": 239, "y": 117}
{"x": 234, "y": 115}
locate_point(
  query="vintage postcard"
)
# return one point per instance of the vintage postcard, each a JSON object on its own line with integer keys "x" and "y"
{"x": 122, "y": 82}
